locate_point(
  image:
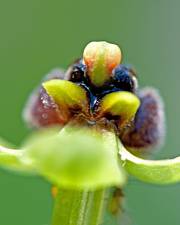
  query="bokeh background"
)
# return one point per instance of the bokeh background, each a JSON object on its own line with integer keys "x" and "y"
{"x": 38, "y": 35}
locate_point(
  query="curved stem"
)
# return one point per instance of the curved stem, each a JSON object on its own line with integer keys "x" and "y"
{"x": 165, "y": 171}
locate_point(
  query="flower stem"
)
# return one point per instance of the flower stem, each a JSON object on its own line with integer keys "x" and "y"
{"x": 79, "y": 207}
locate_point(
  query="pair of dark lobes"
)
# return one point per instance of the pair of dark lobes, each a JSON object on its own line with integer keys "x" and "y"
{"x": 123, "y": 79}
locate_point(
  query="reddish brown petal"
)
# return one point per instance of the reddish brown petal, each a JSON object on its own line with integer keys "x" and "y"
{"x": 148, "y": 129}
{"x": 41, "y": 110}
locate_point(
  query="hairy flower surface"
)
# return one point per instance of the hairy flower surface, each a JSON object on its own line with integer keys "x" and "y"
{"x": 99, "y": 91}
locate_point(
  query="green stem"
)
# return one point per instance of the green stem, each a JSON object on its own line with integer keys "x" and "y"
{"x": 79, "y": 207}
{"x": 95, "y": 207}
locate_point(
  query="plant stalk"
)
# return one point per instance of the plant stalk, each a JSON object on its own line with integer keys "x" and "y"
{"x": 79, "y": 207}
{"x": 74, "y": 207}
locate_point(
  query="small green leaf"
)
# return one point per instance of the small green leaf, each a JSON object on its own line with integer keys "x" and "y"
{"x": 76, "y": 158}
{"x": 66, "y": 93}
{"x": 151, "y": 171}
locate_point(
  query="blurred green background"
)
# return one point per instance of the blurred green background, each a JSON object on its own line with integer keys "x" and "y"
{"x": 38, "y": 35}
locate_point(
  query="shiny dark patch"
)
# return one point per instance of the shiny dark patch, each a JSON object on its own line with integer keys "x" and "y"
{"x": 77, "y": 74}
{"x": 122, "y": 80}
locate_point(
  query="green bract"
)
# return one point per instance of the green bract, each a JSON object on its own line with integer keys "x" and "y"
{"x": 75, "y": 158}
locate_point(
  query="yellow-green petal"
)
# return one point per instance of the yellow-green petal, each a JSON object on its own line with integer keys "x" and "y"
{"x": 66, "y": 93}
{"x": 122, "y": 103}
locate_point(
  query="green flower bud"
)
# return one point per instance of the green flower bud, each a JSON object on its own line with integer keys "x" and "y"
{"x": 101, "y": 58}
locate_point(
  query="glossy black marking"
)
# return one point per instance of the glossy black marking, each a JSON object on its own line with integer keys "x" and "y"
{"x": 93, "y": 99}
{"x": 123, "y": 78}
{"x": 77, "y": 73}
